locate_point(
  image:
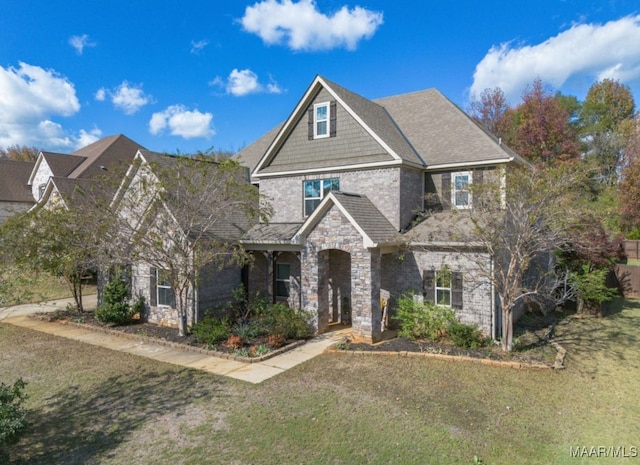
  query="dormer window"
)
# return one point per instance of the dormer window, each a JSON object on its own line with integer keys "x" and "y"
{"x": 41, "y": 189}
{"x": 321, "y": 120}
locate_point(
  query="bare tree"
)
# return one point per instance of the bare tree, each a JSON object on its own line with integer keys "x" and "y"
{"x": 20, "y": 153}
{"x": 519, "y": 219}
{"x": 180, "y": 215}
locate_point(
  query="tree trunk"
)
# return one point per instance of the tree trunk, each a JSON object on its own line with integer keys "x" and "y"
{"x": 507, "y": 329}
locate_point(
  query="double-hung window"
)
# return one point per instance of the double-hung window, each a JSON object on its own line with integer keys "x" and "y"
{"x": 163, "y": 289}
{"x": 443, "y": 287}
{"x": 316, "y": 190}
{"x": 283, "y": 279}
{"x": 460, "y": 190}
{"x": 321, "y": 115}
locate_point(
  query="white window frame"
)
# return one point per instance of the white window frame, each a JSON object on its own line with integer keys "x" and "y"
{"x": 162, "y": 286}
{"x": 455, "y": 190}
{"x": 41, "y": 190}
{"x": 285, "y": 280}
{"x": 443, "y": 289}
{"x": 316, "y": 121}
{"x": 322, "y": 193}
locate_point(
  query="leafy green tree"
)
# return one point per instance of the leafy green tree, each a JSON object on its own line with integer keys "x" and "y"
{"x": 608, "y": 106}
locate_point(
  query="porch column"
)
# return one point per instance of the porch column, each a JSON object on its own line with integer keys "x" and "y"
{"x": 366, "y": 275}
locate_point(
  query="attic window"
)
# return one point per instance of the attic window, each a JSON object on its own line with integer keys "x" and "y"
{"x": 322, "y": 120}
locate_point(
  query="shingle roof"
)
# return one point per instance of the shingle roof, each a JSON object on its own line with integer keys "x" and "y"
{"x": 14, "y": 176}
{"x": 375, "y": 225}
{"x": 272, "y": 233}
{"x": 441, "y": 229}
{"x": 441, "y": 132}
{"x": 62, "y": 164}
{"x": 421, "y": 128}
{"x": 113, "y": 153}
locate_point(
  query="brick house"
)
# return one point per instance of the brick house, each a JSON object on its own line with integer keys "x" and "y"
{"x": 15, "y": 194}
{"x": 347, "y": 178}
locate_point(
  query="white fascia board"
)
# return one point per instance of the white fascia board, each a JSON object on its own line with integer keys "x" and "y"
{"x": 301, "y": 105}
{"x": 35, "y": 168}
{"x": 321, "y": 210}
{"x": 128, "y": 177}
{"x": 361, "y": 166}
{"x": 468, "y": 164}
{"x": 355, "y": 116}
{"x": 285, "y": 127}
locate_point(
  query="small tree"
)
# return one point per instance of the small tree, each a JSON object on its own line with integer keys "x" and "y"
{"x": 12, "y": 412}
{"x": 519, "y": 222}
{"x": 182, "y": 214}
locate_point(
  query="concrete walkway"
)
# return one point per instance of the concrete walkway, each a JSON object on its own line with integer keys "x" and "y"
{"x": 251, "y": 372}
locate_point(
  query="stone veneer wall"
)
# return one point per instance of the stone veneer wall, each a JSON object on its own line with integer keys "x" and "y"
{"x": 397, "y": 192}
{"x": 334, "y": 231}
{"x": 215, "y": 290}
{"x": 404, "y": 273}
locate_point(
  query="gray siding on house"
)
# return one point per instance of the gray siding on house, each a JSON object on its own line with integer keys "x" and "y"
{"x": 351, "y": 145}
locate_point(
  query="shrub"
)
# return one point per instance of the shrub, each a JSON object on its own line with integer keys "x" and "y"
{"x": 422, "y": 320}
{"x": 276, "y": 340}
{"x": 287, "y": 322}
{"x": 233, "y": 342}
{"x": 465, "y": 336}
{"x": 211, "y": 330}
{"x": 12, "y": 413}
{"x": 249, "y": 330}
{"x": 115, "y": 306}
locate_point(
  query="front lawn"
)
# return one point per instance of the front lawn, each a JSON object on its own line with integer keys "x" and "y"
{"x": 94, "y": 406}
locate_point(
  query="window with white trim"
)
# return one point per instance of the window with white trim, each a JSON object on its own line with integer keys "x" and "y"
{"x": 163, "y": 289}
{"x": 443, "y": 287}
{"x": 316, "y": 190}
{"x": 283, "y": 279}
{"x": 460, "y": 189}
{"x": 321, "y": 116}
{"x": 41, "y": 189}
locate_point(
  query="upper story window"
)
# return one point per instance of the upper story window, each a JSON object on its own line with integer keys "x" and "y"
{"x": 321, "y": 120}
{"x": 460, "y": 189}
{"x": 41, "y": 189}
{"x": 316, "y": 190}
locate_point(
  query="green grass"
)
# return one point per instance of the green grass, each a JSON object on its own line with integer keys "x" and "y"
{"x": 29, "y": 288}
{"x": 90, "y": 405}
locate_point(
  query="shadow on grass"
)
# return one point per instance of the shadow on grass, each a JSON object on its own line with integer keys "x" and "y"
{"x": 76, "y": 426}
{"x": 613, "y": 335}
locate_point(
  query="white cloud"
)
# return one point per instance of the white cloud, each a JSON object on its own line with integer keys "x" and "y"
{"x": 182, "y": 122}
{"x": 80, "y": 42}
{"x": 197, "y": 47}
{"x": 595, "y": 51}
{"x": 88, "y": 137}
{"x": 302, "y": 27}
{"x": 30, "y": 97}
{"x": 125, "y": 97}
{"x": 243, "y": 82}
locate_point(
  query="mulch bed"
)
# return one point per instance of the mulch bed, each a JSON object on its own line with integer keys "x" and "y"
{"x": 162, "y": 333}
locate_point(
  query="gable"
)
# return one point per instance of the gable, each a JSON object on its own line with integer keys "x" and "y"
{"x": 352, "y": 144}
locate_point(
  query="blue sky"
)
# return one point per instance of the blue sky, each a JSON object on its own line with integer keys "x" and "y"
{"x": 182, "y": 76}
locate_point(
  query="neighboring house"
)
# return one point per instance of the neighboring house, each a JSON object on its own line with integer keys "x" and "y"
{"x": 137, "y": 203}
{"x": 15, "y": 194}
{"x": 108, "y": 157}
{"x": 347, "y": 178}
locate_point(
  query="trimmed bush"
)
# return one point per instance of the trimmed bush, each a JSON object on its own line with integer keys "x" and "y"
{"x": 465, "y": 336}
{"x": 115, "y": 306}
{"x": 287, "y": 322}
{"x": 422, "y": 320}
{"x": 211, "y": 330}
